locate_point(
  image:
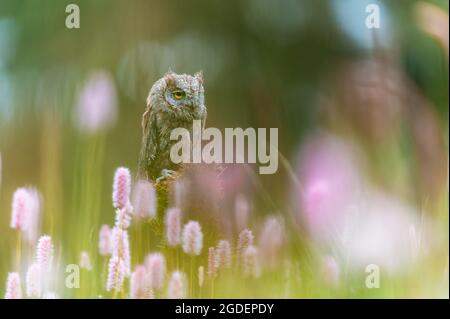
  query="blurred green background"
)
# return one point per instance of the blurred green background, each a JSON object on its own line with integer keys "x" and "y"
{"x": 300, "y": 66}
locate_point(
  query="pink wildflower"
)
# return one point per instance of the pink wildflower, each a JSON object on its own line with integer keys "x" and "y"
{"x": 173, "y": 226}
{"x": 144, "y": 199}
{"x": 34, "y": 281}
{"x": 250, "y": 262}
{"x": 44, "y": 253}
{"x": 177, "y": 286}
{"x": 156, "y": 268}
{"x": 223, "y": 254}
{"x": 121, "y": 188}
{"x": 13, "y": 288}
{"x": 116, "y": 274}
{"x": 192, "y": 238}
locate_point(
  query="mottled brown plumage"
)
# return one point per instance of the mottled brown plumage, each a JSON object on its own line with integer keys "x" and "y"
{"x": 174, "y": 101}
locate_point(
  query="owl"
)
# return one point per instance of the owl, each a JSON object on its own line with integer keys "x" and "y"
{"x": 174, "y": 101}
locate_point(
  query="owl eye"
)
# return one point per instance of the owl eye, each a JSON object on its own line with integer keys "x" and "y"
{"x": 178, "y": 95}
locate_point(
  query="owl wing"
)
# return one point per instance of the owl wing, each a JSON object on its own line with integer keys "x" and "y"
{"x": 146, "y": 116}
{"x": 145, "y": 120}
{"x": 150, "y": 144}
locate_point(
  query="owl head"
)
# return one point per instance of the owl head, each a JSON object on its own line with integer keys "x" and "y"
{"x": 181, "y": 95}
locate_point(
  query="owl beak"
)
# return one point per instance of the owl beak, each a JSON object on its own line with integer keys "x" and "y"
{"x": 189, "y": 105}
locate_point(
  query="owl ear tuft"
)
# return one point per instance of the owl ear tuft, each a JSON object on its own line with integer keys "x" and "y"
{"x": 199, "y": 76}
{"x": 170, "y": 79}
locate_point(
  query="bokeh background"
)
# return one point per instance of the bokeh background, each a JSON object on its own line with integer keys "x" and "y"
{"x": 358, "y": 110}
